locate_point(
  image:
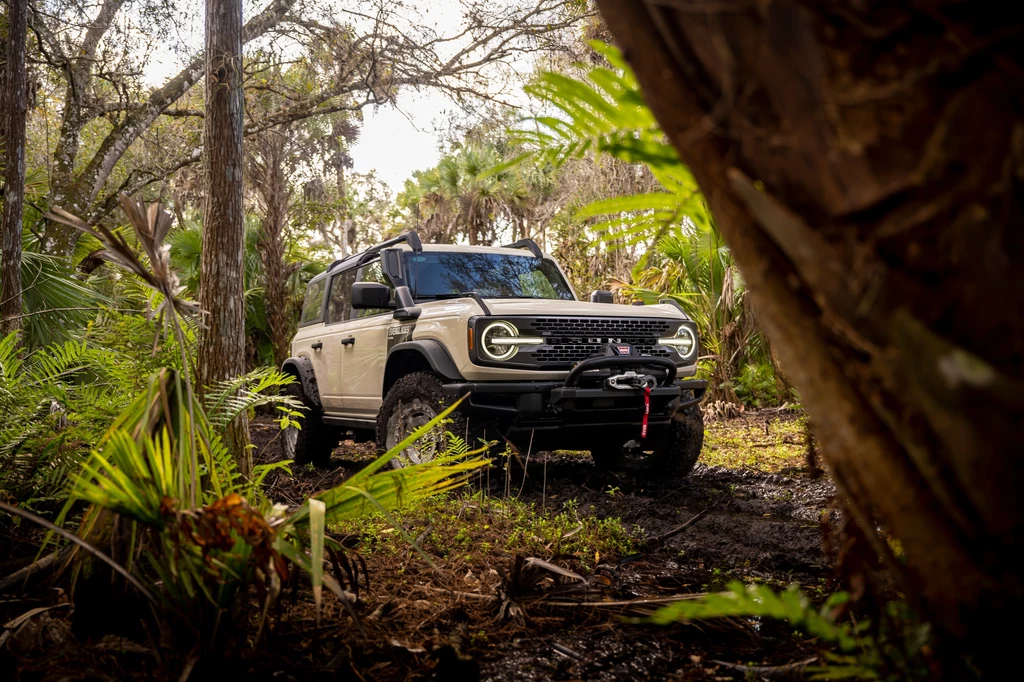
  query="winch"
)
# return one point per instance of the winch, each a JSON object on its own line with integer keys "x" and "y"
{"x": 631, "y": 380}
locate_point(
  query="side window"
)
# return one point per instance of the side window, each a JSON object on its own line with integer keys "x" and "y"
{"x": 340, "y": 301}
{"x": 312, "y": 305}
{"x": 373, "y": 272}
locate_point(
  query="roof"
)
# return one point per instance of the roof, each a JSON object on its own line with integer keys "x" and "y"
{"x": 354, "y": 259}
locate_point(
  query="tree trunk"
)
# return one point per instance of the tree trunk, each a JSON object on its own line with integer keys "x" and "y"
{"x": 273, "y": 188}
{"x": 15, "y": 105}
{"x": 222, "y": 341}
{"x": 866, "y": 166}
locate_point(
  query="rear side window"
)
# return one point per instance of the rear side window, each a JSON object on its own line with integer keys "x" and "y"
{"x": 340, "y": 302}
{"x": 312, "y": 306}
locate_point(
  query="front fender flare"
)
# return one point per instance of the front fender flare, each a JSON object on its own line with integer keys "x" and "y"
{"x": 303, "y": 369}
{"x": 437, "y": 356}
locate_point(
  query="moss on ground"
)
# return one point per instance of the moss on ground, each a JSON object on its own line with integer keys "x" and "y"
{"x": 756, "y": 442}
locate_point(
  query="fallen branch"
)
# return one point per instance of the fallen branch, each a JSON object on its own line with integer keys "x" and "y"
{"x": 789, "y": 671}
{"x": 659, "y": 540}
{"x": 44, "y": 566}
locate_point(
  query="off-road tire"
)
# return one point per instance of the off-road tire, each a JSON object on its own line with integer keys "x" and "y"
{"x": 674, "y": 455}
{"x": 418, "y": 391}
{"x": 315, "y": 441}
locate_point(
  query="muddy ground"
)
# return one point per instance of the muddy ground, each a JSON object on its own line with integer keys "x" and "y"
{"x": 465, "y": 620}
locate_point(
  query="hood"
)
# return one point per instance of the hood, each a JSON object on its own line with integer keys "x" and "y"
{"x": 529, "y": 306}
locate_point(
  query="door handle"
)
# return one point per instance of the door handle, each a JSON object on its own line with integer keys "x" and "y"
{"x": 350, "y": 341}
{"x": 317, "y": 346}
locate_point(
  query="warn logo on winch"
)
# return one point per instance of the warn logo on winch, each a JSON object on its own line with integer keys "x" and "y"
{"x": 622, "y": 350}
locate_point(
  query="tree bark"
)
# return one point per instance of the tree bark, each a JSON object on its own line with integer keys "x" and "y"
{"x": 221, "y": 293}
{"x": 15, "y": 106}
{"x": 866, "y": 168}
{"x": 272, "y": 185}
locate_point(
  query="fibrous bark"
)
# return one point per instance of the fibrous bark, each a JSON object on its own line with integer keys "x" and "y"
{"x": 865, "y": 163}
{"x": 221, "y": 293}
{"x": 268, "y": 176}
{"x": 15, "y": 105}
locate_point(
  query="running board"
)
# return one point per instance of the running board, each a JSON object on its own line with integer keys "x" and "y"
{"x": 351, "y": 422}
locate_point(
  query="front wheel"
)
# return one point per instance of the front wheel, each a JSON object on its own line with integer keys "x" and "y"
{"x": 674, "y": 454}
{"x": 413, "y": 402}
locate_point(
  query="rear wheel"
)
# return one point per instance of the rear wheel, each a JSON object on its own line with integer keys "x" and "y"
{"x": 412, "y": 402}
{"x": 314, "y": 442}
{"x": 673, "y": 454}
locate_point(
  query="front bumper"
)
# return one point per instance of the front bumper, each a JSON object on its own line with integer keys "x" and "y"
{"x": 582, "y": 404}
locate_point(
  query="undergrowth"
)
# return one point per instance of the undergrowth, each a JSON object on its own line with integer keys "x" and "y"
{"x": 479, "y": 529}
{"x": 755, "y": 443}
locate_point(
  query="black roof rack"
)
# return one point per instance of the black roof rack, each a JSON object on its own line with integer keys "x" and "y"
{"x": 526, "y": 244}
{"x": 410, "y": 238}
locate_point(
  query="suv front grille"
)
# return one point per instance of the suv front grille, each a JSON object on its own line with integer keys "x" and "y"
{"x": 569, "y": 340}
{"x": 603, "y": 327}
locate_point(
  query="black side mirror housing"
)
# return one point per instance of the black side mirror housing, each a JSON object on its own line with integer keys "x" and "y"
{"x": 600, "y": 296}
{"x": 371, "y": 295}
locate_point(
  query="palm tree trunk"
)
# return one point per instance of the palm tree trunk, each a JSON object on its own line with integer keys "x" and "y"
{"x": 15, "y": 105}
{"x": 221, "y": 292}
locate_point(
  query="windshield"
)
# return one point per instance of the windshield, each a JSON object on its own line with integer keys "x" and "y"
{"x": 441, "y": 274}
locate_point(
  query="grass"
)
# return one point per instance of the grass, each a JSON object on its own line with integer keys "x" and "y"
{"x": 755, "y": 443}
{"x": 480, "y": 530}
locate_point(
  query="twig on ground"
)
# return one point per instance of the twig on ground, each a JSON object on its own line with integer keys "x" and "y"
{"x": 659, "y": 540}
{"x": 788, "y": 671}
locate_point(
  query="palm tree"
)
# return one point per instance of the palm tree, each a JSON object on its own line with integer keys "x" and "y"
{"x": 473, "y": 192}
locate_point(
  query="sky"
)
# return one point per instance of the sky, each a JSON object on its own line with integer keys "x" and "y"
{"x": 397, "y": 140}
{"x": 394, "y": 140}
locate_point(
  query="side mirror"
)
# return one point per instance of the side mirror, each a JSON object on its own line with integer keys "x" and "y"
{"x": 599, "y": 296}
{"x": 370, "y": 295}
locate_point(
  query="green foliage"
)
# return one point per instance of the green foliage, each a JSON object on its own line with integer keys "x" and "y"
{"x": 477, "y": 191}
{"x": 478, "y": 528}
{"x": 186, "y": 250}
{"x": 53, "y": 399}
{"x": 895, "y": 649}
{"x": 758, "y": 386}
{"x": 605, "y": 114}
{"x": 200, "y": 558}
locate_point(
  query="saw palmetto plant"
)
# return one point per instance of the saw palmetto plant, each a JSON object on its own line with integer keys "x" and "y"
{"x": 199, "y": 561}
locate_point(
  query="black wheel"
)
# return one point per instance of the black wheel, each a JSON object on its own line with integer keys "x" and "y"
{"x": 674, "y": 454}
{"x": 413, "y": 401}
{"x": 315, "y": 441}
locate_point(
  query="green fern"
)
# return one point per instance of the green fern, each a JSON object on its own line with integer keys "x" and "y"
{"x": 892, "y": 650}
{"x": 228, "y": 399}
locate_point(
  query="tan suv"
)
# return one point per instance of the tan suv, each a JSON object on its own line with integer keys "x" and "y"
{"x": 389, "y": 337}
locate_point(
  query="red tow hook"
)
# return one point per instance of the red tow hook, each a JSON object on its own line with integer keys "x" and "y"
{"x": 647, "y": 411}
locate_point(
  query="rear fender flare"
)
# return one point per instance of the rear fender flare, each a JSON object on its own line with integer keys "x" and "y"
{"x": 303, "y": 369}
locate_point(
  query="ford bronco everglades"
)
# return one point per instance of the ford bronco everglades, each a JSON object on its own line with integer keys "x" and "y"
{"x": 389, "y": 337}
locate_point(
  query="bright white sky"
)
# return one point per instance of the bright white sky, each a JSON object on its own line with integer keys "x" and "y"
{"x": 394, "y": 140}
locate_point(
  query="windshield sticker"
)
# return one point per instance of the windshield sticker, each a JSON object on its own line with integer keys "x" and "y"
{"x": 399, "y": 333}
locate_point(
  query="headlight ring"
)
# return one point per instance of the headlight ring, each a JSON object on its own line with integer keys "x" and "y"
{"x": 500, "y": 340}
{"x": 684, "y": 341}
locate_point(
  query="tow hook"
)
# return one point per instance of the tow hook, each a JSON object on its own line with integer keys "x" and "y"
{"x": 631, "y": 380}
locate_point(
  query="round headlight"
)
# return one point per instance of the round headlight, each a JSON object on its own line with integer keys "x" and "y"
{"x": 491, "y": 341}
{"x": 684, "y": 341}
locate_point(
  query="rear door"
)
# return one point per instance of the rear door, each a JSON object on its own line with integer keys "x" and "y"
{"x": 307, "y": 342}
{"x": 366, "y": 349}
{"x": 333, "y": 356}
